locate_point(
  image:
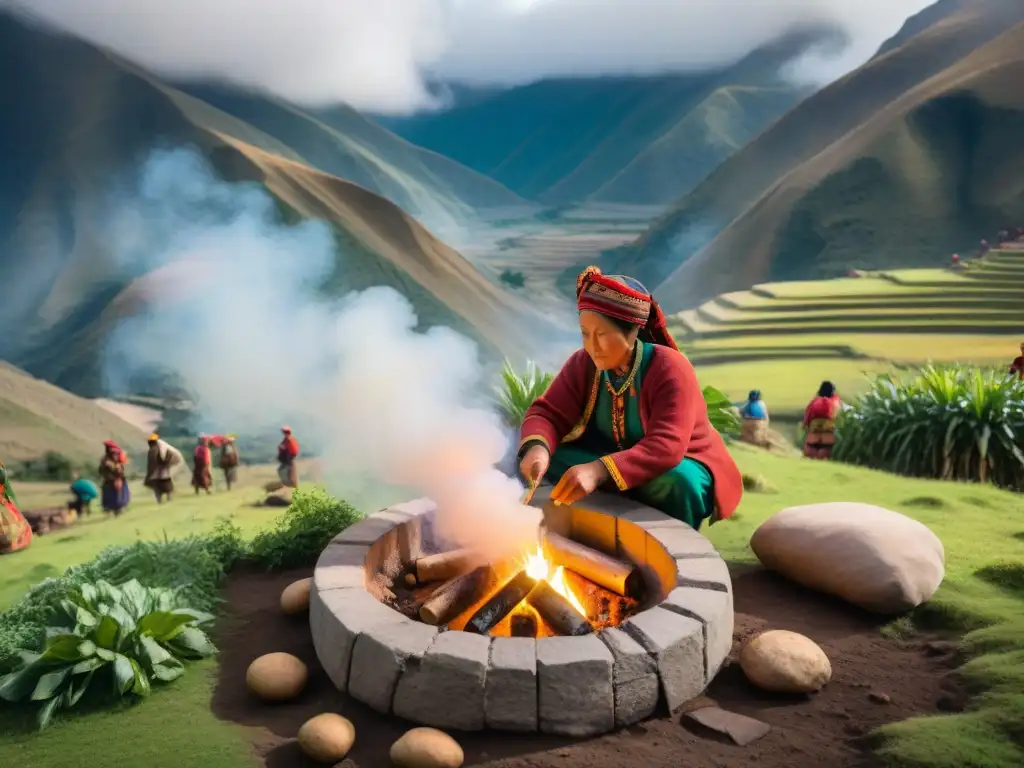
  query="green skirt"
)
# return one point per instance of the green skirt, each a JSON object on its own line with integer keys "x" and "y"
{"x": 685, "y": 492}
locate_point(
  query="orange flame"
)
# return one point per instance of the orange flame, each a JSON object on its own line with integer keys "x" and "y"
{"x": 538, "y": 567}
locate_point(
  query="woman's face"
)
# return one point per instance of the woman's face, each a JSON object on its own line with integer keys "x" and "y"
{"x": 606, "y": 344}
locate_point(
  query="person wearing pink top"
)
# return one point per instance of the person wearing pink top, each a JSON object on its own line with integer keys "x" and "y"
{"x": 820, "y": 422}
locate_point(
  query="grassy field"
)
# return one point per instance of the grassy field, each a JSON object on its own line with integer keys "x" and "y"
{"x": 785, "y": 338}
{"x": 980, "y": 527}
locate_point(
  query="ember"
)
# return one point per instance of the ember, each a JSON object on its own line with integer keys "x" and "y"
{"x": 562, "y": 588}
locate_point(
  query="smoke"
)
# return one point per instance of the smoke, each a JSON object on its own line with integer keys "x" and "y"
{"x": 376, "y": 55}
{"x": 250, "y": 334}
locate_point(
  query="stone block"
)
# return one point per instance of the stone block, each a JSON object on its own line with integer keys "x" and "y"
{"x": 574, "y": 678}
{"x": 677, "y": 644}
{"x": 510, "y": 703}
{"x": 446, "y": 688}
{"x": 381, "y": 654}
{"x": 371, "y": 528}
{"x": 714, "y": 610}
{"x": 340, "y": 566}
{"x": 704, "y": 572}
{"x": 336, "y": 619}
{"x": 681, "y": 541}
{"x": 414, "y": 508}
{"x": 634, "y": 677}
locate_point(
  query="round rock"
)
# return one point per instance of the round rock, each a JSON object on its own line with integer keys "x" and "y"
{"x": 426, "y": 748}
{"x": 277, "y": 677}
{"x": 785, "y": 662}
{"x": 295, "y": 597}
{"x": 327, "y": 738}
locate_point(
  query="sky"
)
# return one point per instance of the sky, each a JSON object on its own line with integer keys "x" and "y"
{"x": 377, "y": 54}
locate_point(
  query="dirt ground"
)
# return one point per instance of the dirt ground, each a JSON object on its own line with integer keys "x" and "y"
{"x": 825, "y": 729}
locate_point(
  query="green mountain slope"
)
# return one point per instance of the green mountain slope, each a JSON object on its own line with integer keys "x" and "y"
{"x": 570, "y": 140}
{"x": 894, "y": 164}
{"x": 78, "y": 124}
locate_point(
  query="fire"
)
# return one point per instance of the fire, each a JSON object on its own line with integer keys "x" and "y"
{"x": 538, "y": 567}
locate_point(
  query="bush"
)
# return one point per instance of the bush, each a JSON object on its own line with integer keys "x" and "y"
{"x": 301, "y": 534}
{"x": 52, "y": 467}
{"x": 123, "y": 639}
{"x": 516, "y": 392}
{"x": 945, "y": 422}
{"x": 193, "y": 566}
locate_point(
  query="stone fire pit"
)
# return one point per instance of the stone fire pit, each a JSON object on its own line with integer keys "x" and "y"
{"x": 667, "y": 652}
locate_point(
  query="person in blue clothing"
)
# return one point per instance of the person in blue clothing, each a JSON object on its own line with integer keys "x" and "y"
{"x": 755, "y": 419}
{"x": 83, "y": 492}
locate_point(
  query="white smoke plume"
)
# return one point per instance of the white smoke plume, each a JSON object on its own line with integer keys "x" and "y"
{"x": 376, "y": 54}
{"x": 251, "y": 337}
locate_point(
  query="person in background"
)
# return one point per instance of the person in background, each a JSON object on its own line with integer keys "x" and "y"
{"x": 820, "y": 422}
{"x": 161, "y": 460}
{"x": 15, "y": 531}
{"x": 755, "y": 419}
{"x": 114, "y": 493}
{"x": 229, "y": 460}
{"x": 83, "y": 493}
{"x": 202, "y": 466}
{"x": 1017, "y": 366}
{"x": 287, "y": 452}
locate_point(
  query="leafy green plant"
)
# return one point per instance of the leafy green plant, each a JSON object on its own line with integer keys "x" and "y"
{"x": 124, "y": 637}
{"x": 300, "y": 534}
{"x": 194, "y": 567}
{"x": 721, "y": 412}
{"x": 947, "y": 422}
{"x": 516, "y": 392}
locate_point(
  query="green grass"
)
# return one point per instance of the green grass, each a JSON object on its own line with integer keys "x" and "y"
{"x": 982, "y": 531}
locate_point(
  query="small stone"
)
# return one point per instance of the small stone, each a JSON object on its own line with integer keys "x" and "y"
{"x": 327, "y": 738}
{"x": 741, "y": 729}
{"x": 426, "y": 748}
{"x": 785, "y": 662}
{"x": 277, "y": 677}
{"x": 879, "y": 698}
{"x": 295, "y": 597}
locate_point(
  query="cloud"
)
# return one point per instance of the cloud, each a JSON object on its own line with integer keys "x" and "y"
{"x": 375, "y": 54}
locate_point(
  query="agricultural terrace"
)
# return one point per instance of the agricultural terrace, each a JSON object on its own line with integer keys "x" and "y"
{"x": 785, "y": 338}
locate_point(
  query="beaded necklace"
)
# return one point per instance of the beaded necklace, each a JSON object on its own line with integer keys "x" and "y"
{"x": 617, "y": 386}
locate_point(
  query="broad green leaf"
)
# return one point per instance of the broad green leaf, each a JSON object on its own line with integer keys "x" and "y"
{"x": 170, "y": 670}
{"x": 106, "y": 654}
{"x": 89, "y": 594}
{"x": 46, "y": 712}
{"x": 88, "y": 665}
{"x": 124, "y": 674}
{"x": 191, "y": 643}
{"x": 198, "y": 616}
{"x": 78, "y": 687}
{"x": 62, "y": 648}
{"x": 134, "y": 599}
{"x": 152, "y": 652}
{"x": 140, "y": 684}
{"x": 106, "y": 632}
{"x": 18, "y": 685}
{"x": 50, "y": 683}
{"x": 163, "y": 626}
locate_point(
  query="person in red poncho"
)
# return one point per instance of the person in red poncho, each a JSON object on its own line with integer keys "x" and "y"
{"x": 202, "y": 465}
{"x": 287, "y": 453}
{"x": 1017, "y": 366}
{"x": 820, "y": 422}
{"x": 627, "y": 413}
{"x": 15, "y": 531}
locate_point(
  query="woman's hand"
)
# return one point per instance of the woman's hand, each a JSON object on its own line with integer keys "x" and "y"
{"x": 579, "y": 481}
{"x": 534, "y": 464}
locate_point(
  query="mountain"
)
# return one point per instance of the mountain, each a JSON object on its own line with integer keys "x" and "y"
{"x": 908, "y": 158}
{"x": 79, "y": 121}
{"x": 637, "y": 140}
{"x": 38, "y": 417}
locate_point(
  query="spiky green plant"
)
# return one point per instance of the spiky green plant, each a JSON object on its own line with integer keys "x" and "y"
{"x": 950, "y": 422}
{"x": 721, "y": 412}
{"x": 516, "y": 392}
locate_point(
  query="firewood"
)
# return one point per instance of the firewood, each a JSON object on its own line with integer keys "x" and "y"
{"x": 445, "y": 565}
{"x": 618, "y": 576}
{"x": 558, "y": 612}
{"x": 454, "y": 596}
{"x": 501, "y": 604}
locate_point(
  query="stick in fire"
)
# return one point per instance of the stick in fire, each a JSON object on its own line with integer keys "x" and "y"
{"x": 557, "y": 611}
{"x": 442, "y": 566}
{"x": 454, "y": 596}
{"x": 501, "y": 604}
{"x": 622, "y": 578}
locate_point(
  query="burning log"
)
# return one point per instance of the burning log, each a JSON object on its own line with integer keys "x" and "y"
{"x": 443, "y": 566}
{"x": 501, "y": 604}
{"x": 615, "y": 575}
{"x": 454, "y": 596}
{"x": 557, "y": 611}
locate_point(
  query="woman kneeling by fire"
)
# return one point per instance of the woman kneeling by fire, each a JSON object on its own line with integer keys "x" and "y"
{"x": 627, "y": 411}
